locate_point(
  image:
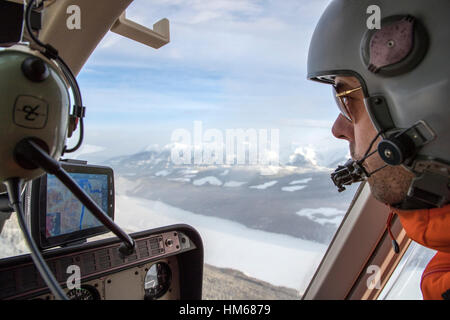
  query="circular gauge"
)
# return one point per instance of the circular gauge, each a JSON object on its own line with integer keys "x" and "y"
{"x": 86, "y": 292}
{"x": 157, "y": 280}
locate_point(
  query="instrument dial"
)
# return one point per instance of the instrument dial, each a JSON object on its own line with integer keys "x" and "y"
{"x": 86, "y": 292}
{"x": 157, "y": 280}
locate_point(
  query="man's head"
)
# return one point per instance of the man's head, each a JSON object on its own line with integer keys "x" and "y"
{"x": 390, "y": 185}
{"x": 395, "y": 81}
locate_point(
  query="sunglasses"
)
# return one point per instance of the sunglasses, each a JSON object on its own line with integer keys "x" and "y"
{"x": 342, "y": 100}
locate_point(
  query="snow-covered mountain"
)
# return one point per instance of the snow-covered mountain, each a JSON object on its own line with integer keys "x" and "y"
{"x": 155, "y": 158}
{"x": 261, "y": 197}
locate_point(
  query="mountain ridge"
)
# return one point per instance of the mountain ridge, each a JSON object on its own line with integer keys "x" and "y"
{"x": 268, "y": 198}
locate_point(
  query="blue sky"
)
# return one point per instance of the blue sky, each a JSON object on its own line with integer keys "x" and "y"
{"x": 230, "y": 64}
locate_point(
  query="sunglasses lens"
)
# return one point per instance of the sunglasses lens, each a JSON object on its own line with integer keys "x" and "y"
{"x": 341, "y": 104}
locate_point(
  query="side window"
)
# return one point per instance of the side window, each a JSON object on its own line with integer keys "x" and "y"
{"x": 11, "y": 239}
{"x": 404, "y": 283}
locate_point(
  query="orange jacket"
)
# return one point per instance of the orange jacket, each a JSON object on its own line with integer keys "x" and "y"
{"x": 431, "y": 228}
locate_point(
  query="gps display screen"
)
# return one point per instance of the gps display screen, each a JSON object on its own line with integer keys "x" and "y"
{"x": 65, "y": 213}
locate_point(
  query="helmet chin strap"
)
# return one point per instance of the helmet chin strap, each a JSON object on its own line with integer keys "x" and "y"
{"x": 353, "y": 170}
{"x": 427, "y": 190}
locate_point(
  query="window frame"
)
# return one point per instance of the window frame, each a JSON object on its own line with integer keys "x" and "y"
{"x": 362, "y": 240}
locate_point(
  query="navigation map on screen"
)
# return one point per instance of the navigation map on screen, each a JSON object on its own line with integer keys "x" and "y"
{"x": 65, "y": 213}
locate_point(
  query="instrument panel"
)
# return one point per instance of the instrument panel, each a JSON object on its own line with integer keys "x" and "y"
{"x": 167, "y": 265}
{"x": 147, "y": 282}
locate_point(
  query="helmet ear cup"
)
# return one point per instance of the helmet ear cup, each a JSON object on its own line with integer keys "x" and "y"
{"x": 34, "y": 105}
{"x": 398, "y": 47}
{"x": 395, "y": 150}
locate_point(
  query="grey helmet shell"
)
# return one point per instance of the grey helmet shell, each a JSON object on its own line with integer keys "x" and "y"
{"x": 422, "y": 93}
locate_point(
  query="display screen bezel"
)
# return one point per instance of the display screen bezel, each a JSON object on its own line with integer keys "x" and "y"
{"x": 39, "y": 193}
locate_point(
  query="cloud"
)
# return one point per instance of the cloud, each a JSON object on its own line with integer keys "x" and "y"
{"x": 87, "y": 149}
{"x": 230, "y": 63}
{"x": 220, "y": 34}
{"x": 303, "y": 156}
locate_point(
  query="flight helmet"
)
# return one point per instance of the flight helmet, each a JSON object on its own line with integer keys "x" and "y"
{"x": 399, "y": 51}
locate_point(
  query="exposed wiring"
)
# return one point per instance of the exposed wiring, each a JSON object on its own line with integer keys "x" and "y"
{"x": 52, "y": 53}
{"x": 80, "y": 139}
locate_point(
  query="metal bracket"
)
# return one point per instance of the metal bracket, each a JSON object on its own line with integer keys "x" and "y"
{"x": 156, "y": 38}
{"x": 429, "y": 189}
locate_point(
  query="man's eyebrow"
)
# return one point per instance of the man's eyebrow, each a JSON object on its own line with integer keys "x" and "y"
{"x": 341, "y": 85}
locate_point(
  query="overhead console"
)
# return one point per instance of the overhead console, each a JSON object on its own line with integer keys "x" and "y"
{"x": 167, "y": 264}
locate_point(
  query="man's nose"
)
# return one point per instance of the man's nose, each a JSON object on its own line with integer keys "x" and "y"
{"x": 343, "y": 129}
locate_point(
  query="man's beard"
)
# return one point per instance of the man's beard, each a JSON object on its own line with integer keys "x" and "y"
{"x": 389, "y": 185}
